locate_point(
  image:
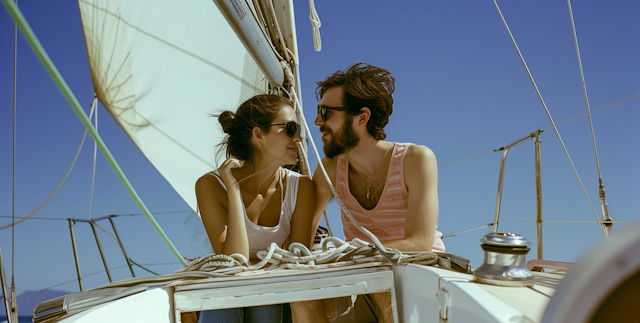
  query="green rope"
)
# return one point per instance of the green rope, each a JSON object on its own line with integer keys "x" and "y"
{"x": 139, "y": 265}
{"x": 66, "y": 91}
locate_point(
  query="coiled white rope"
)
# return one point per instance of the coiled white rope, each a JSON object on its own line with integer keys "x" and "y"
{"x": 315, "y": 24}
{"x": 334, "y": 253}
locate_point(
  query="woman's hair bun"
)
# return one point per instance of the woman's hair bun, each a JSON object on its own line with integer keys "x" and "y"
{"x": 226, "y": 120}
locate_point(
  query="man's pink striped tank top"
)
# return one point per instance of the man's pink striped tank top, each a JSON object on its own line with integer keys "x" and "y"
{"x": 387, "y": 219}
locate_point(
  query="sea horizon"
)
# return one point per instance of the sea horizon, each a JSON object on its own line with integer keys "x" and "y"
{"x": 21, "y": 318}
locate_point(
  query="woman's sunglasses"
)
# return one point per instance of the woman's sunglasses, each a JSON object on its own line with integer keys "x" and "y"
{"x": 322, "y": 111}
{"x": 292, "y": 127}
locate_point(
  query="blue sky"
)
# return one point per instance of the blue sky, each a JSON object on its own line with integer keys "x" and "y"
{"x": 461, "y": 90}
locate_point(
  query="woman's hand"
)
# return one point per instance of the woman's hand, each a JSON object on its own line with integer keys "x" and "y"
{"x": 222, "y": 210}
{"x": 226, "y": 172}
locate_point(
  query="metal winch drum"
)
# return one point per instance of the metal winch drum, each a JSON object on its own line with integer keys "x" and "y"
{"x": 504, "y": 260}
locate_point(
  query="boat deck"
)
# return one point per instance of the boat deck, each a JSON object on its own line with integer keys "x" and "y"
{"x": 419, "y": 294}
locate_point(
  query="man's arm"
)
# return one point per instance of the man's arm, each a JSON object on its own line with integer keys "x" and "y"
{"x": 301, "y": 219}
{"x": 323, "y": 192}
{"x": 421, "y": 179}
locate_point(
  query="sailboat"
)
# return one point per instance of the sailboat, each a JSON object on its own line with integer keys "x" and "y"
{"x": 144, "y": 124}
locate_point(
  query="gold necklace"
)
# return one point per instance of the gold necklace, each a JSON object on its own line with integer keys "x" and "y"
{"x": 378, "y": 168}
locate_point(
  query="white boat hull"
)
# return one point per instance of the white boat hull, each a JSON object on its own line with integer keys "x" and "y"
{"x": 423, "y": 294}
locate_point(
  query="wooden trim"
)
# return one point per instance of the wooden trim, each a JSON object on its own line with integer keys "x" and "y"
{"x": 538, "y": 265}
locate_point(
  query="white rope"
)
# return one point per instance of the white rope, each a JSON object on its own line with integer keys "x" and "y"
{"x": 278, "y": 31}
{"x": 94, "y": 107}
{"x": 306, "y": 170}
{"x": 292, "y": 93}
{"x": 334, "y": 253}
{"x": 315, "y": 24}
{"x": 544, "y": 105}
{"x": 302, "y": 146}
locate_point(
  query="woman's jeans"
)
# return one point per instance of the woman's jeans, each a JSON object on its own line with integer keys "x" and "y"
{"x": 256, "y": 314}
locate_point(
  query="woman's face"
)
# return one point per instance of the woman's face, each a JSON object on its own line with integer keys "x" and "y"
{"x": 277, "y": 144}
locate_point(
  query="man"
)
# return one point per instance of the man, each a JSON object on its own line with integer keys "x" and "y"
{"x": 389, "y": 188}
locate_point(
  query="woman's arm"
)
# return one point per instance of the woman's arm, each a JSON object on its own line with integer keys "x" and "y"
{"x": 302, "y": 218}
{"x": 224, "y": 224}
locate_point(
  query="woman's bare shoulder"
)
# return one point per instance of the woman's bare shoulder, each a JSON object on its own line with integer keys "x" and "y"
{"x": 209, "y": 185}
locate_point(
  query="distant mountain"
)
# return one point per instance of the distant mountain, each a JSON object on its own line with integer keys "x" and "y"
{"x": 28, "y": 300}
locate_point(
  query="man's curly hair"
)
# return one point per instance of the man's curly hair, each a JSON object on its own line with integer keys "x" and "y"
{"x": 368, "y": 86}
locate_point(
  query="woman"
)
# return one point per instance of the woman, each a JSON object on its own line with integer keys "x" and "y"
{"x": 250, "y": 201}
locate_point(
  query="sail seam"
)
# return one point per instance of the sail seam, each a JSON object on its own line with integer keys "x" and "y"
{"x": 53, "y": 72}
{"x": 184, "y": 51}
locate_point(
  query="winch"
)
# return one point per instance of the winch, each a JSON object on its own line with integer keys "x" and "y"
{"x": 504, "y": 260}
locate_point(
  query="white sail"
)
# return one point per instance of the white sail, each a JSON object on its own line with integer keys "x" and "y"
{"x": 162, "y": 69}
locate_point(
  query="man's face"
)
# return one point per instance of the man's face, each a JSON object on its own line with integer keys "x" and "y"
{"x": 337, "y": 134}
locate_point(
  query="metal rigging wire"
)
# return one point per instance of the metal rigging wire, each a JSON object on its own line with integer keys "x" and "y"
{"x": 452, "y": 234}
{"x": 13, "y": 172}
{"x": 584, "y": 86}
{"x": 589, "y": 113}
{"x": 95, "y": 273}
{"x": 13, "y": 315}
{"x": 548, "y": 114}
{"x": 100, "y": 218}
{"x": 75, "y": 158}
{"x": 552, "y": 127}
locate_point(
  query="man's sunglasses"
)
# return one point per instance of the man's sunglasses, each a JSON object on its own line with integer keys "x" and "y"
{"x": 292, "y": 127}
{"x": 322, "y": 111}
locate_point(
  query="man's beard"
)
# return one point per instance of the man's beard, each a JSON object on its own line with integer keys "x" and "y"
{"x": 341, "y": 141}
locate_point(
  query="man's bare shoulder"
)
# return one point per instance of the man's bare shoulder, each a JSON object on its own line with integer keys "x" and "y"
{"x": 420, "y": 168}
{"x": 305, "y": 184}
{"x": 330, "y": 164}
{"x": 418, "y": 155}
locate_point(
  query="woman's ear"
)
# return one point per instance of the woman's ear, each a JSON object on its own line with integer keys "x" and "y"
{"x": 257, "y": 135}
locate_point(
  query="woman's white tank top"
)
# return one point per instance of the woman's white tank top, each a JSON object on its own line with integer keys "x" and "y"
{"x": 261, "y": 237}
